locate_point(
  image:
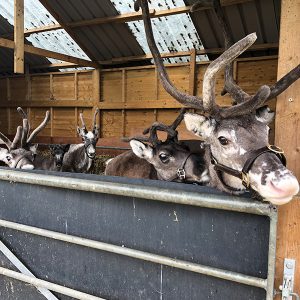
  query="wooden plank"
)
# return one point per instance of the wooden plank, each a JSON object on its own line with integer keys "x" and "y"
{"x": 287, "y": 126}
{"x": 46, "y": 53}
{"x": 148, "y": 56}
{"x": 8, "y": 89}
{"x": 192, "y": 84}
{"x": 119, "y": 60}
{"x": 124, "y": 86}
{"x": 19, "y": 36}
{"x": 96, "y": 86}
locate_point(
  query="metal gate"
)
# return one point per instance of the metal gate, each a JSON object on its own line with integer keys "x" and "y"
{"x": 93, "y": 237}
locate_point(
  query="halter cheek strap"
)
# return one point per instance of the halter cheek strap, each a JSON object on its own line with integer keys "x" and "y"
{"x": 180, "y": 172}
{"x": 244, "y": 174}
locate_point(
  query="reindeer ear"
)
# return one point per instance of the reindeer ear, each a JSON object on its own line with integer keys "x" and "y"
{"x": 33, "y": 148}
{"x": 67, "y": 147}
{"x": 199, "y": 125}
{"x": 141, "y": 150}
{"x": 3, "y": 152}
{"x": 265, "y": 115}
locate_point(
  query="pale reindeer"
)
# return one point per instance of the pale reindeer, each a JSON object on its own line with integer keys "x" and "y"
{"x": 80, "y": 157}
{"x": 150, "y": 158}
{"x": 20, "y": 153}
{"x": 39, "y": 161}
{"x": 238, "y": 152}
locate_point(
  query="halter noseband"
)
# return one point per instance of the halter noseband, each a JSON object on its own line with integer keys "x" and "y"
{"x": 244, "y": 174}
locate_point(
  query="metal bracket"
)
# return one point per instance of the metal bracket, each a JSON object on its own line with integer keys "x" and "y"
{"x": 287, "y": 287}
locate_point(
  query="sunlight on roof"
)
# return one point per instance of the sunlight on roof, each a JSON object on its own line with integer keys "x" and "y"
{"x": 36, "y": 15}
{"x": 172, "y": 33}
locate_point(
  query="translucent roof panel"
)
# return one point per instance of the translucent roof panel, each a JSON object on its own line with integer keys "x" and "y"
{"x": 36, "y": 15}
{"x": 171, "y": 33}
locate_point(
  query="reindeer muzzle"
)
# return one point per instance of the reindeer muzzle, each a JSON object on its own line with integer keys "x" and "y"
{"x": 244, "y": 174}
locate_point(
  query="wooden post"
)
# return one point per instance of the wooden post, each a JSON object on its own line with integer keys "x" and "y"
{"x": 19, "y": 36}
{"x": 287, "y": 128}
{"x": 192, "y": 81}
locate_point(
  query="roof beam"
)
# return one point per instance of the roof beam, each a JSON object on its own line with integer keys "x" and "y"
{"x": 46, "y": 53}
{"x": 64, "y": 26}
{"x": 128, "y": 17}
{"x": 19, "y": 36}
{"x": 121, "y": 60}
{"x": 185, "y": 53}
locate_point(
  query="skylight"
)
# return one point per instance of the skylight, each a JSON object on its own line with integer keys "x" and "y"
{"x": 172, "y": 33}
{"x": 36, "y": 15}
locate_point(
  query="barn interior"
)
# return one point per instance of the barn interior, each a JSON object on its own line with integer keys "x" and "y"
{"x": 79, "y": 56}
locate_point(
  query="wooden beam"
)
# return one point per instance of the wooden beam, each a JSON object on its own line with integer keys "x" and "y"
{"x": 19, "y": 36}
{"x": 193, "y": 75}
{"x": 122, "y": 18}
{"x": 287, "y": 128}
{"x": 46, "y": 53}
{"x": 48, "y": 6}
{"x": 183, "y": 53}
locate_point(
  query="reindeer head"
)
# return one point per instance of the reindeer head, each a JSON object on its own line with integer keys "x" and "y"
{"x": 20, "y": 153}
{"x": 89, "y": 138}
{"x": 237, "y": 136}
{"x": 58, "y": 152}
{"x": 172, "y": 160}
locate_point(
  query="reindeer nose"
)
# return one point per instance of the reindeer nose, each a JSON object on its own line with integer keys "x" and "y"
{"x": 288, "y": 186}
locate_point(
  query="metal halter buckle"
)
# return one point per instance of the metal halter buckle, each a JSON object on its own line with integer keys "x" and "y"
{"x": 245, "y": 179}
{"x": 275, "y": 149}
{"x": 181, "y": 174}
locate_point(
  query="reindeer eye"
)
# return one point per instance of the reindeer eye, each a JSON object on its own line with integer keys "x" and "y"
{"x": 223, "y": 140}
{"x": 164, "y": 158}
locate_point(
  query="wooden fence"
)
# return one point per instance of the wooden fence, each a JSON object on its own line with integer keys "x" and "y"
{"x": 130, "y": 99}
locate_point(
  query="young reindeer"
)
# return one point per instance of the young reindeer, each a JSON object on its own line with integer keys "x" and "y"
{"x": 238, "y": 153}
{"x": 150, "y": 158}
{"x": 80, "y": 157}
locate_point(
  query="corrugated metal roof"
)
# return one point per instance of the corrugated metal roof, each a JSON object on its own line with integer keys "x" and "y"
{"x": 104, "y": 41}
{"x": 172, "y": 33}
{"x": 35, "y": 15}
{"x": 261, "y": 17}
{"x": 7, "y": 55}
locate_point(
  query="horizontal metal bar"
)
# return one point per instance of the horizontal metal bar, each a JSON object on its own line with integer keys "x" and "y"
{"x": 207, "y": 200}
{"x": 48, "y": 285}
{"x": 154, "y": 258}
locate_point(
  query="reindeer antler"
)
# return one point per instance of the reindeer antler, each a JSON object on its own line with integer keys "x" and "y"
{"x": 26, "y": 138}
{"x": 14, "y": 144}
{"x": 236, "y": 92}
{"x": 207, "y": 104}
{"x": 94, "y": 125}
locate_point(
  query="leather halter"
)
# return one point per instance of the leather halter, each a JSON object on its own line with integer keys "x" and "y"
{"x": 180, "y": 172}
{"x": 244, "y": 174}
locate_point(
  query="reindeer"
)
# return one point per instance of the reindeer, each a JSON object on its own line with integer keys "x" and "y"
{"x": 53, "y": 163}
{"x": 150, "y": 158}
{"x": 20, "y": 153}
{"x": 237, "y": 149}
{"x": 80, "y": 157}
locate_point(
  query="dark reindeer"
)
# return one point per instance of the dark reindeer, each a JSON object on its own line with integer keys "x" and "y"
{"x": 80, "y": 157}
{"x": 238, "y": 153}
{"x": 151, "y": 158}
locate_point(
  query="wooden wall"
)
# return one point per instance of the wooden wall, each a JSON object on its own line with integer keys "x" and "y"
{"x": 130, "y": 99}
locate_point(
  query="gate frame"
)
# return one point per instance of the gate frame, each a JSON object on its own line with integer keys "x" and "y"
{"x": 213, "y": 201}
